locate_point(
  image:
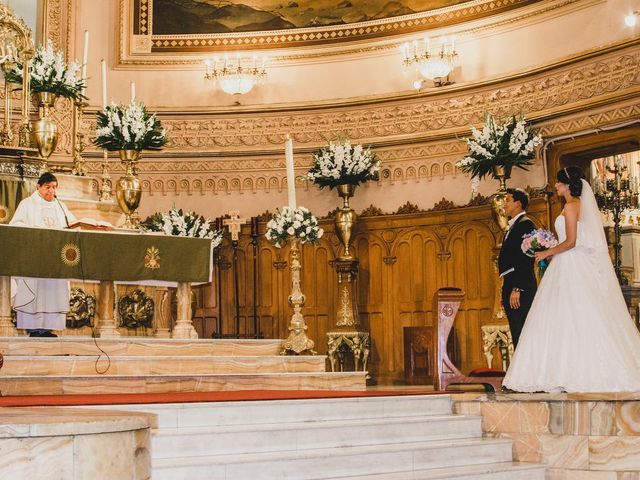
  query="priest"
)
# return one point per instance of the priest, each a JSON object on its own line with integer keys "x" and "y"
{"x": 42, "y": 303}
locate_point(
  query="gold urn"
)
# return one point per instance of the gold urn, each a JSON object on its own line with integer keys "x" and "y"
{"x": 345, "y": 219}
{"x": 45, "y": 130}
{"x": 128, "y": 190}
{"x": 502, "y": 174}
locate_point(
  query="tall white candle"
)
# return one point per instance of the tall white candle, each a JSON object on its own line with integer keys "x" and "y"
{"x": 104, "y": 83}
{"x": 291, "y": 179}
{"x": 133, "y": 92}
{"x": 85, "y": 58}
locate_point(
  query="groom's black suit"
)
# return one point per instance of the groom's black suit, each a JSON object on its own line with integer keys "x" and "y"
{"x": 516, "y": 269}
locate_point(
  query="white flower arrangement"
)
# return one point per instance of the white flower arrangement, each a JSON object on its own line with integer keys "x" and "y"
{"x": 183, "y": 224}
{"x": 290, "y": 222}
{"x": 128, "y": 127}
{"x": 343, "y": 163}
{"x": 49, "y": 73}
{"x": 511, "y": 144}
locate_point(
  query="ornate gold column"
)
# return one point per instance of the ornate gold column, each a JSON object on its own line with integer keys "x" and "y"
{"x": 347, "y": 334}
{"x": 106, "y": 324}
{"x": 7, "y": 329}
{"x": 162, "y": 313}
{"x": 297, "y": 342}
{"x": 183, "y": 327}
{"x": 498, "y": 199}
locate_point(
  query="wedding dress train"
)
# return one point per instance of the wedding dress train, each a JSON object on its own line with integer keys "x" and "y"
{"x": 578, "y": 335}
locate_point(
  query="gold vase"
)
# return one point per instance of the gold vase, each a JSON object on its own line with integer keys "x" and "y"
{"x": 45, "y": 130}
{"x": 502, "y": 174}
{"x": 345, "y": 219}
{"x": 128, "y": 190}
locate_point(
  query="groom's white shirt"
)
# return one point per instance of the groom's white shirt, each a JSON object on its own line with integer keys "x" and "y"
{"x": 512, "y": 221}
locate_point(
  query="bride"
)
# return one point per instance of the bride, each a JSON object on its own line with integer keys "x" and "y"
{"x": 578, "y": 336}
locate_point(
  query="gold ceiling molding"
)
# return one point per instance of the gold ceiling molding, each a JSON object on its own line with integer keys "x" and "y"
{"x": 139, "y": 45}
{"x": 561, "y": 91}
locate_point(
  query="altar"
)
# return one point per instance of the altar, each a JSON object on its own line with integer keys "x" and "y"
{"x": 107, "y": 258}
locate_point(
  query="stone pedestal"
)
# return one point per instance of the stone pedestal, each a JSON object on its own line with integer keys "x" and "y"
{"x": 7, "y": 329}
{"x": 106, "y": 324}
{"x": 184, "y": 327}
{"x": 162, "y": 318}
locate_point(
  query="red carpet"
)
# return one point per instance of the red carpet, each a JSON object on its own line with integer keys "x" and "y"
{"x": 189, "y": 397}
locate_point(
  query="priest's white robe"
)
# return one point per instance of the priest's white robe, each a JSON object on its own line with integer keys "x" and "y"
{"x": 41, "y": 303}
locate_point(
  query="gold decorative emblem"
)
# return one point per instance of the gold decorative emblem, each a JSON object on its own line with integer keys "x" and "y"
{"x": 136, "y": 310}
{"x": 70, "y": 254}
{"x": 4, "y": 214}
{"x": 82, "y": 309}
{"x": 152, "y": 258}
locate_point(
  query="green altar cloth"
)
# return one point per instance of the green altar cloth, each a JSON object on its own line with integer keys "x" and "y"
{"x": 89, "y": 255}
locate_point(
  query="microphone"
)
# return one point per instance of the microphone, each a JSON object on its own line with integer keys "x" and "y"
{"x": 63, "y": 212}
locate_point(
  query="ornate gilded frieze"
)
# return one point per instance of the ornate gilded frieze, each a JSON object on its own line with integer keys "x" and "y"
{"x": 543, "y": 94}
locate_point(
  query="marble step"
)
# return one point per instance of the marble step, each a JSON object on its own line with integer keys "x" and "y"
{"x": 491, "y": 471}
{"x": 326, "y": 463}
{"x": 28, "y": 365}
{"x": 127, "y": 346}
{"x": 187, "y": 415}
{"x": 104, "y": 384}
{"x": 282, "y": 435}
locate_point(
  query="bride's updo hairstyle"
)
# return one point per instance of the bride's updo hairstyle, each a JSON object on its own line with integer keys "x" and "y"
{"x": 571, "y": 176}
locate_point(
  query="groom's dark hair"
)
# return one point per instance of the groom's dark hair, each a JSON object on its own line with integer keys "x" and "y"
{"x": 519, "y": 195}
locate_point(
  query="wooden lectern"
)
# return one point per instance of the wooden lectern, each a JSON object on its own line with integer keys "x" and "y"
{"x": 448, "y": 302}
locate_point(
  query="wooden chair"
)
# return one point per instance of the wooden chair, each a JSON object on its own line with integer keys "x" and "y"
{"x": 448, "y": 302}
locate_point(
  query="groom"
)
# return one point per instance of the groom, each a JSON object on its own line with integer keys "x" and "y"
{"x": 516, "y": 268}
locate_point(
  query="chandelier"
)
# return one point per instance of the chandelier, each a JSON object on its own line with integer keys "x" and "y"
{"x": 238, "y": 75}
{"x": 434, "y": 65}
{"x": 616, "y": 186}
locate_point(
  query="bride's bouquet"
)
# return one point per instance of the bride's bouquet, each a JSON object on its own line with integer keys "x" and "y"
{"x": 537, "y": 241}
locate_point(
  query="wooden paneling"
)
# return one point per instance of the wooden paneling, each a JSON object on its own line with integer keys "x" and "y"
{"x": 404, "y": 260}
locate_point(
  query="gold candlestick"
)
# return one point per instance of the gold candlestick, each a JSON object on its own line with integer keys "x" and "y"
{"x": 105, "y": 179}
{"x": 297, "y": 343}
{"x": 6, "y": 134}
{"x": 79, "y": 167}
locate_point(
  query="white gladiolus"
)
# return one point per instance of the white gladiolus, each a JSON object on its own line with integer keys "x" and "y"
{"x": 296, "y": 223}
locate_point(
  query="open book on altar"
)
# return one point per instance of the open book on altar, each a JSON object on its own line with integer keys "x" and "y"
{"x": 91, "y": 224}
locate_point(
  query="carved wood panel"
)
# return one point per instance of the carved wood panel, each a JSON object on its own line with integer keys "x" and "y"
{"x": 404, "y": 260}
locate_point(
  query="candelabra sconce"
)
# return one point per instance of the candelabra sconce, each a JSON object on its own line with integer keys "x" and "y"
{"x": 238, "y": 75}
{"x": 616, "y": 193}
{"x": 79, "y": 167}
{"x": 297, "y": 343}
{"x": 433, "y": 65}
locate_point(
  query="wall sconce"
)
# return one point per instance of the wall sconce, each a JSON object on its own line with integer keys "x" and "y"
{"x": 236, "y": 76}
{"x": 631, "y": 19}
{"x": 433, "y": 66}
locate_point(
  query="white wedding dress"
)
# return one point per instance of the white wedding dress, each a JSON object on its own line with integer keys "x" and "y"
{"x": 578, "y": 335}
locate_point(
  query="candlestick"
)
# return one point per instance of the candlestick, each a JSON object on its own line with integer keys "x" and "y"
{"x": 255, "y": 221}
{"x": 85, "y": 57}
{"x": 133, "y": 92}
{"x": 291, "y": 179}
{"x": 104, "y": 83}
